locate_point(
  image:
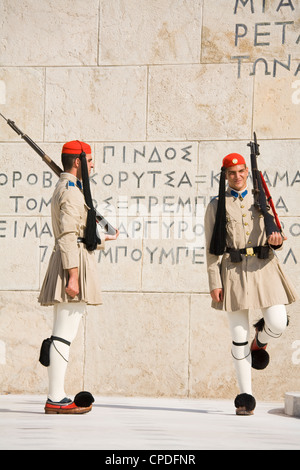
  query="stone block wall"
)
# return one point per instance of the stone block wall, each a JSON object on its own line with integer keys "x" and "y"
{"x": 162, "y": 90}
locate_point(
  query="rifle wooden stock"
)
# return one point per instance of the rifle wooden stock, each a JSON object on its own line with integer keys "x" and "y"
{"x": 270, "y": 201}
{"x": 57, "y": 170}
{"x": 106, "y": 226}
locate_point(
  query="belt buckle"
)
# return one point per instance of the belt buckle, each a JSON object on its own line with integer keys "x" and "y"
{"x": 250, "y": 252}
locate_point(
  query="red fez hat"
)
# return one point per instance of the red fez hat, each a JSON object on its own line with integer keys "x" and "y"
{"x": 233, "y": 159}
{"x": 75, "y": 147}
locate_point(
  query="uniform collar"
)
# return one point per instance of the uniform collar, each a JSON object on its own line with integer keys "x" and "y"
{"x": 237, "y": 194}
{"x": 79, "y": 184}
{"x": 72, "y": 179}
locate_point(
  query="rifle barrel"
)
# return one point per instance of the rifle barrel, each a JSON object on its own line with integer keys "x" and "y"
{"x": 260, "y": 198}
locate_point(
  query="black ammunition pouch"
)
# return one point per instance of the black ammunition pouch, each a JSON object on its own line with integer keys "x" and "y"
{"x": 262, "y": 252}
{"x": 45, "y": 349}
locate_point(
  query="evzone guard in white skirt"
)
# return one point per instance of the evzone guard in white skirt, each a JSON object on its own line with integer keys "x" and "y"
{"x": 244, "y": 273}
{"x": 70, "y": 282}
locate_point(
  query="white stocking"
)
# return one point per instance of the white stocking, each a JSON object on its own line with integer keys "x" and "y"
{"x": 275, "y": 323}
{"x": 239, "y": 327}
{"x": 67, "y": 317}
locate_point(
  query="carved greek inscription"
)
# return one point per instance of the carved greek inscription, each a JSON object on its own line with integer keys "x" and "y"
{"x": 266, "y": 34}
{"x": 146, "y": 196}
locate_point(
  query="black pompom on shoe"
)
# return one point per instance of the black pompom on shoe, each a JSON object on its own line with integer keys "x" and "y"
{"x": 260, "y": 359}
{"x": 245, "y": 404}
{"x": 84, "y": 399}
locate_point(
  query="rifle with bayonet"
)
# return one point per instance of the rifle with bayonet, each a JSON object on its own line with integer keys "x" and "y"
{"x": 262, "y": 197}
{"x": 104, "y": 224}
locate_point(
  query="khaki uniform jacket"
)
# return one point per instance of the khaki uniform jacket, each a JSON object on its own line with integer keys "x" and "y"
{"x": 69, "y": 214}
{"x": 252, "y": 283}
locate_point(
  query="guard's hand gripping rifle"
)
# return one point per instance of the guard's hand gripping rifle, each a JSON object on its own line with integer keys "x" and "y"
{"x": 262, "y": 197}
{"x": 57, "y": 170}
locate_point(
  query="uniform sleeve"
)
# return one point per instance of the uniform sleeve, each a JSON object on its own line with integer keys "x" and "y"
{"x": 213, "y": 262}
{"x": 102, "y": 244}
{"x": 70, "y": 212}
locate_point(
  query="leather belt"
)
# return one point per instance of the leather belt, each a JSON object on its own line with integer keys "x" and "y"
{"x": 261, "y": 251}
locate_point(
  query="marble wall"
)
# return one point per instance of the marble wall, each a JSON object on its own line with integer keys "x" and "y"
{"x": 162, "y": 90}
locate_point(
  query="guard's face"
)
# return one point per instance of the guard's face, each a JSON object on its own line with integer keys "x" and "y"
{"x": 237, "y": 177}
{"x": 89, "y": 162}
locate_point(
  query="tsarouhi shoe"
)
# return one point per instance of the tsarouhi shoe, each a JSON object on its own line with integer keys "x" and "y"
{"x": 245, "y": 404}
{"x": 82, "y": 404}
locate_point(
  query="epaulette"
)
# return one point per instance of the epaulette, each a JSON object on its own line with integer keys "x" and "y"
{"x": 71, "y": 183}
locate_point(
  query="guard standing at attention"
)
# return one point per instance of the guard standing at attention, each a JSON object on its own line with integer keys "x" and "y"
{"x": 71, "y": 282}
